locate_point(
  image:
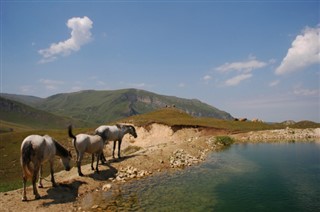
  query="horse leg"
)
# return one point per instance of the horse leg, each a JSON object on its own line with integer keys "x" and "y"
{"x": 40, "y": 185}
{"x": 92, "y": 160}
{"x": 103, "y": 158}
{"x": 114, "y": 147}
{"x": 24, "y": 194}
{"x": 98, "y": 158}
{"x": 119, "y": 145}
{"x": 79, "y": 163}
{"x": 34, "y": 180}
{"x": 54, "y": 184}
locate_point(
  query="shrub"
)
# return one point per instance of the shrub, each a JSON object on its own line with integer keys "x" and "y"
{"x": 224, "y": 140}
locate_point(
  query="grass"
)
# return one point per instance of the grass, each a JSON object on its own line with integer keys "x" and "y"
{"x": 224, "y": 140}
{"x": 10, "y": 168}
{"x": 175, "y": 117}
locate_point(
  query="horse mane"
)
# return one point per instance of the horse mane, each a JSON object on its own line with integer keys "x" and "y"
{"x": 61, "y": 150}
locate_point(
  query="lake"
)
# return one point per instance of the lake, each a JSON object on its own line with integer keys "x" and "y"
{"x": 244, "y": 177}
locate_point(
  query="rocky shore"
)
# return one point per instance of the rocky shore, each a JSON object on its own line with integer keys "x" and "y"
{"x": 288, "y": 134}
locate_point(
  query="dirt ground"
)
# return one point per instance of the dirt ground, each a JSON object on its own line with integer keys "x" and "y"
{"x": 150, "y": 152}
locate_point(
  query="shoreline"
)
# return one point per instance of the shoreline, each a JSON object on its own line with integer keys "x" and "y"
{"x": 156, "y": 150}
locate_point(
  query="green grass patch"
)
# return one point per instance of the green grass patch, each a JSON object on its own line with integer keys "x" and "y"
{"x": 224, "y": 140}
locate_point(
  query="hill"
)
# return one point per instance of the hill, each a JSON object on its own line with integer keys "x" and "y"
{"x": 15, "y": 115}
{"x": 25, "y": 99}
{"x": 99, "y": 107}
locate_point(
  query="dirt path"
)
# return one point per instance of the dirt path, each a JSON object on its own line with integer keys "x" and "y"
{"x": 152, "y": 151}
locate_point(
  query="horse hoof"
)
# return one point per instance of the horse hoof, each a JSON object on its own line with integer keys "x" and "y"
{"x": 54, "y": 184}
{"x": 37, "y": 196}
{"x": 24, "y": 199}
{"x": 81, "y": 175}
{"x": 40, "y": 186}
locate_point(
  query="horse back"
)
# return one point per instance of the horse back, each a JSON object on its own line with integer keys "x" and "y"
{"x": 43, "y": 147}
{"x": 114, "y": 133}
{"x": 89, "y": 143}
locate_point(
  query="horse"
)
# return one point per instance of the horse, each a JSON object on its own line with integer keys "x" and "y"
{"x": 92, "y": 144}
{"x": 35, "y": 150}
{"x": 115, "y": 133}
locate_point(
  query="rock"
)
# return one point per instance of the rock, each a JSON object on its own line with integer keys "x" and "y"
{"x": 180, "y": 159}
{"x": 130, "y": 173}
{"x": 106, "y": 187}
{"x": 95, "y": 207}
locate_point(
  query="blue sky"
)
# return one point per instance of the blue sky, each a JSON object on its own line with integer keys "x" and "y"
{"x": 254, "y": 59}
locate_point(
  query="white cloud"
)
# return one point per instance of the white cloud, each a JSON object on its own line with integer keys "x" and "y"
{"x": 304, "y": 52}
{"x": 51, "y": 84}
{"x": 76, "y": 88}
{"x": 243, "y": 69}
{"x": 27, "y": 89}
{"x": 299, "y": 91}
{"x": 207, "y": 77}
{"x": 181, "y": 85}
{"x": 237, "y": 79}
{"x": 244, "y": 66}
{"x": 80, "y": 35}
{"x": 274, "y": 83}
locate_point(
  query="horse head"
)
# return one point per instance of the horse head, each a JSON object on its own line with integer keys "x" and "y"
{"x": 66, "y": 161}
{"x": 132, "y": 131}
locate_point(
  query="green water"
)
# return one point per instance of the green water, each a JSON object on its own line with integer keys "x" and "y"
{"x": 245, "y": 177}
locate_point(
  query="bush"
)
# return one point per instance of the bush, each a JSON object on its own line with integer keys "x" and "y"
{"x": 224, "y": 140}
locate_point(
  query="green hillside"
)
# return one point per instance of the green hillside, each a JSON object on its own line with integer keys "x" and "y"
{"x": 99, "y": 107}
{"x": 15, "y": 115}
{"x": 24, "y": 99}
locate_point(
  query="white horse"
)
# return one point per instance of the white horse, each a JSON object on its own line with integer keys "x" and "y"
{"x": 92, "y": 144}
{"x": 35, "y": 150}
{"x": 115, "y": 133}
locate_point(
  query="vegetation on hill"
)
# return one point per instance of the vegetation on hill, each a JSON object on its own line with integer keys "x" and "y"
{"x": 24, "y": 99}
{"x": 99, "y": 107}
{"x": 17, "y": 115}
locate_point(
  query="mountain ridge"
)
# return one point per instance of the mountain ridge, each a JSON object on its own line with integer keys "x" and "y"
{"x": 102, "y": 106}
{"x": 13, "y": 112}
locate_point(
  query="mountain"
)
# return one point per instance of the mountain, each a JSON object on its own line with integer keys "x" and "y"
{"x": 25, "y": 99}
{"x": 15, "y": 114}
{"x": 99, "y": 107}
{"x": 104, "y": 106}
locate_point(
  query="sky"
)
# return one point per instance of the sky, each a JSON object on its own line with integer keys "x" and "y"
{"x": 253, "y": 59}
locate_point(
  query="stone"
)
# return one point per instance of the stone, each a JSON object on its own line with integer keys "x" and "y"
{"x": 106, "y": 187}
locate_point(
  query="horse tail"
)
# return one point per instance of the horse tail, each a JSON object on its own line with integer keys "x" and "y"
{"x": 73, "y": 137}
{"x": 27, "y": 152}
